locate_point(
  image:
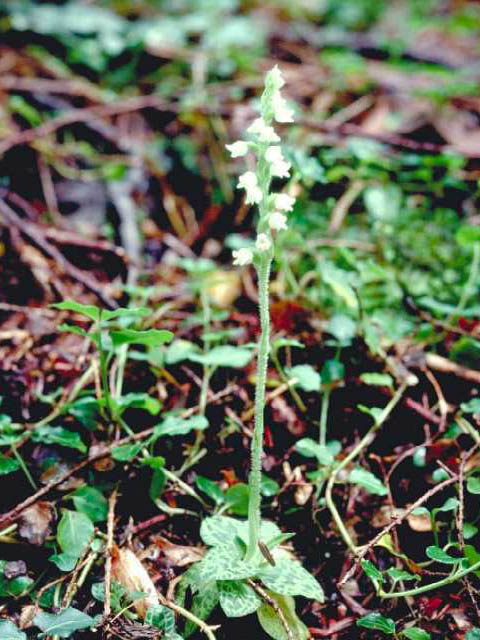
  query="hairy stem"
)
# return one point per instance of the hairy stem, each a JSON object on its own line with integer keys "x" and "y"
{"x": 254, "y": 515}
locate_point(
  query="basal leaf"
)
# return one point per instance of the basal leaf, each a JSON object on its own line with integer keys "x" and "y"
{"x": 219, "y": 530}
{"x": 204, "y": 602}
{"x": 289, "y": 578}
{"x": 271, "y": 623}
{"x": 237, "y": 599}
{"x": 224, "y": 563}
{"x": 162, "y": 618}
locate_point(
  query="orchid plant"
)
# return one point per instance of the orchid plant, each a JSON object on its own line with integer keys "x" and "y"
{"x": 243, "y": 553}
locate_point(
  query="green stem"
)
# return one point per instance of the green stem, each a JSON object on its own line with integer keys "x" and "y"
{"x": 363, "y": 444}
{"x": 453, "y": 577}
{"x": 102, "y": 356}
{"x": 254, "y": 505}
{"x": 324, "y": 416}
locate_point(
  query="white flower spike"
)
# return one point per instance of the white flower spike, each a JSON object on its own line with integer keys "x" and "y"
{"x": 242, "y": 257}
{"x": 277, "y": 221}
{"x": 284, "y": 202}
{"x": 248, "y": 181}
{"x": 264, "y": 132}
{"x": 263, "y": 242}
{"x": 238, "y": 149}
{"x": 278, "y": 166}
{"x": 276, "y": 78}
{"x": 281, "y": 111}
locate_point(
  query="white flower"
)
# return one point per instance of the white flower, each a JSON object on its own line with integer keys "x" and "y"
{"x": 278, "y": 166}
{"x": 284, "y": 202}
{"x": 281, "y": 111}
{"x": 238, "y": 149}
{"x": 242, "y": 257}
{"x": 277, "y": 221}
{"x": 276, "y": 78}
{"x": 263, "y": 242}
{"x": 248, "y": 181}
{"x": 264, "y": 132}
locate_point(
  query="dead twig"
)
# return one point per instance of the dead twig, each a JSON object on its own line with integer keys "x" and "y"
{"x": 108, "y": 552}
{"x": 275, "y": 606}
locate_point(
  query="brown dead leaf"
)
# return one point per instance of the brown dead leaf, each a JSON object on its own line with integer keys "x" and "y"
{"x": 128, "y": 571}
{"x": 35, "y": 523}
{"x": 224, "y": 287}
{"x": 303, "y": 493}
{"x": 27, "y": 615}
{"x": 178, "y": 555}
{"x": 284, "y": 413}
{"x": 421, "y": 522}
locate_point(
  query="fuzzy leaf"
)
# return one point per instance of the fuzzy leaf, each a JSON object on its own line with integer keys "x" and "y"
{"x": 311, "y": 449}
{"x": 237, "y": 599}
{"x": 289, "y": 578}
{"x": 271, "y": 624}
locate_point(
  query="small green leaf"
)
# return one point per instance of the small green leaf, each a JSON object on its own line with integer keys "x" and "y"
{"x": 140, "y": 401}
{"x": 467, "y": 235}
{"x": 91, "y": 502}
{"x": 372, "y": 572}
{"x": 311, "y": 449}
{"x": 58, "y": 435}
{"x": 473, "y": 634}
{"x": 343, "y": 328}
{"x": 178, "y": 426}
{"x": 211, "y": 489}
{"x": 377, "y": 379}
{"x": 398, "y": 574}
{"x": 8, "y": 465}
{"x": 74, "y": 533}
{"x": 472, "y": 406}
{"x": 134, "y": 312}
{"x": 180, "y": 350}
{"x": 204, "y": 602}
{"x": 62, "y": 624}
{"x": 225, "y": 356}
{"x": 127, "y": 452}
{"x": 469, "y": 530}
{"x": 332, "y": 371}
{"x": 368, "y": 481}
{"x": 268, "y": 486}
{"x": 308, "y": 379}
{"x": 157, "y": 484}
{"x": 150, "y": 337}
{"x": 415, "y": 633}
{"x": 237, "y": 599}
{"x": 237, "y": 499}
{"x": 377, "y": 622}
{"x": 473, "y": 485}
{"x": 88, "y": 310}
{"x": 439, "y": 555}
{"x": 8, "y": 631}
